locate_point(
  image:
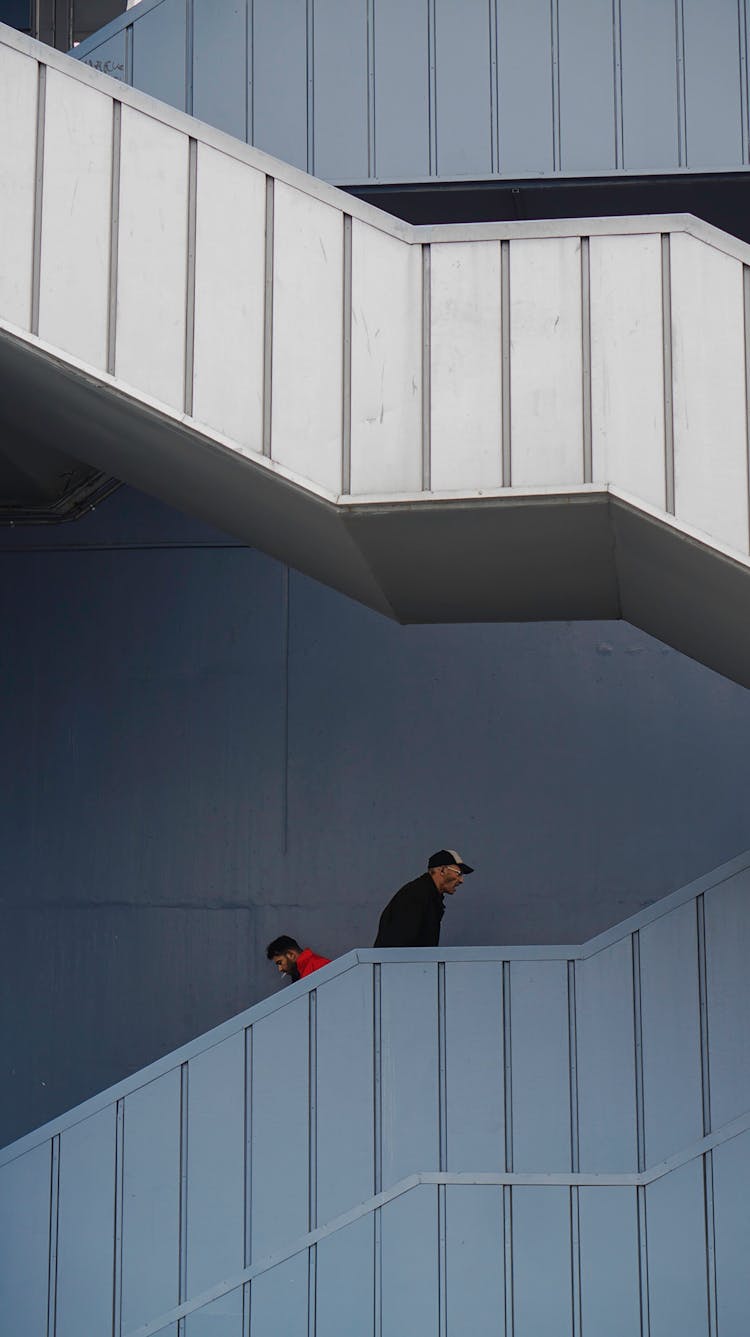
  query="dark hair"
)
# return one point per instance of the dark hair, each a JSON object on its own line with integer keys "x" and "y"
{"x": 281, "y": 945}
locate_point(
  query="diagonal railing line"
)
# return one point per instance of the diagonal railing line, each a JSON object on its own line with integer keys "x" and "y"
{"x": 641, "y": 1179}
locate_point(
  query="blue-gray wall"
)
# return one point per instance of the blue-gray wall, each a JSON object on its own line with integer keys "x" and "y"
{"x": 201, "y": 750}
{"x": 358, "y": 89}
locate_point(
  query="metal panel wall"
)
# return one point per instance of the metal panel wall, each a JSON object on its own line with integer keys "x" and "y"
{"x": 18, "y": 115}
{"x": 454, "y": 88}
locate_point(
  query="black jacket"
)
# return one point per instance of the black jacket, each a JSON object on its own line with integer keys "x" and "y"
{"x": 412, "y": 917}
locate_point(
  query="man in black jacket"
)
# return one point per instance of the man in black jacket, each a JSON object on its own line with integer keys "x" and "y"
{"x": 412, "y": 917}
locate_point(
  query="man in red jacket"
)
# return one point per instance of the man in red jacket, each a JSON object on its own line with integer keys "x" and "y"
{"x": 292, "y": 960}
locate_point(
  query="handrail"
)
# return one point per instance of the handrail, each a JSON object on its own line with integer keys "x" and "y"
{"x": 574, "y": 1180}
{"x": 367, "y": 956}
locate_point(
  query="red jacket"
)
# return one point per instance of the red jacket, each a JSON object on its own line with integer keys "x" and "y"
{"x": 308, "y": 961}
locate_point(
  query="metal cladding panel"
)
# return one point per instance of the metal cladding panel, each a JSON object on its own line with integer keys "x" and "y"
{"x": 402, "y": 93}
{"x": 281, "y": 1296}
{"x": 76, "y": 219}
{"x": 609, "y": 1252}
{"x": 409, "y": 1295}
{"x": 727, "y": 911}
{"x": 280, "y": 1128}
{"x": 524, "y": 61}
{"x": 345, "y": 1282}
{"x": 587, "y": 85}
{"x": 465, "y": 354}
{"x": 540, "y": 1071}
{"x": 25, "y": 1242}
{"x": 409, "y": 1070}
{"x": 279, "y": 61}
{"x": 18, "y": 116}
{"x": 713, "y": 93}
{"x": 671, "y": 1034}
{"x": 160, "y": 52}
{"x": 230, "y": 228}
{"x": 649, "y": 85}
{"x": 474, "y": 1244}
{"x": 151, "y": 1201}
{"x": 110, "y": 57}
{"x": 220, "y": 65}
{"x": 386, "y": 363}
{"x": 340, "y": 86}
{"x": 462, "y": 88}
{"x": 675, "y": 1215}
{"x": 605, "y": 1035}
{"x": 474, "y": 1066}
{"x": 627, "y": 428}
{"x": 85, "y": 1256}
{"x": 542, "y": 1281}
{"x": 731, "y": 1210}
{"x": 152, "y": 258}
{"x": 546, "y": 362}
{"x": 308, "y": 323}
{"x": 710, "y": 415}
{"x": 345, "y": 1171}
{"x": 221, "y": 1318}
{"x": 215, "y": 1217}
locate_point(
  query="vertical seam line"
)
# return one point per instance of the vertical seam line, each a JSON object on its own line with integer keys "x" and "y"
{"x": 310, "y": 61}
{"x": 250, "y": 73}
{"x": 114, "y": 236}
{"x": 312, "y": 1201}
{"x": 426, "y": 368}
{"x": 192, "y": 206}
{"x": 575, "y": 1259}
{"x": 268, "y": 318}
{"x": 432, "y": 86}
{"x": 682, "y": 144}
{"x": 638, "y": 1052}
{"x": 36, "y": 244}
{"x": 555, "y": 49}
{"x": 618, "y": 89}
{"x": 377, "y": 1123}
{"x": 667, "y": 349}
{"x": 189, "y": 54}
{"x": 118, "y": 1222}
{"x": 586, "y": 359}
{"x": 494, "y": 90}
{"x": 742, "y": 34}
{"x": 505, "y": 391}
{"x": 248, "y": 1178}
{"x": 54, "y": 1229}
{"x": 643, "y": 1285}
{"x": 183, "y": 1245}
{"x": 346, "y": 378}
{"x": 286, "y": 595}
{"x": 746, "y": 331}
{"x": 573, "y": 1068}
{"x": 371, "y": 141}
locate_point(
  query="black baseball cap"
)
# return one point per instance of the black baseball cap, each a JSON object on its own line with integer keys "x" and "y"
{"x": 442, "y": 857}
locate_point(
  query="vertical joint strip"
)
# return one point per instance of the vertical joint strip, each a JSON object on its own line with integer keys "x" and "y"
{"x": 310, "y": 54}
{"x": 346, "y": 378}
{"x": 573, "y": 1056}
{"x": 746, "y": 312}
{"x": 371, "y": 145}
{"x": 617, "y": 80}
{"x": 248, "y": 1166}
{"x": 643, "y": 1262}
{"x": 666, "y": 319}
{"x": 114, "y": 237}
{"x": 377, "y": 1122}
{"x": 442, "y": 1262}
{"x": 189, "y": 55}
{"x": 128, "y": 71}
{"x": 285, "y": 633}
{"x": 442, "y": 1077}
{"x": 190, "y": 276}
{"x": 494, "y": 91}
{"x": 745, "y": 123}
{"x": 54, "y": 1223}
{"x": 682, "y": 146}
{"x": 555, "y": 45}
{"x": 506, "y": 475}
{"x": 182, "y": 1292}
{"x": 575, "y": 1259}
{"x": 586, "y": 357}
{"x": 508, "y": 1258}
{"x": 638, "y": 1048}
{"x": 312, "y": 1201}
{"x": 36, "y": 252}
{"x": 507, "y": 1070}
{"x": 432, "y": 84}
{"x": 426, "y": 369}
{"x": 250, "y": 71}
{"x": 268, "y": 319}
{"x": 708, "y": 1198}
{"x": 700, "y": 909}
{"x": 119, "y": 1208}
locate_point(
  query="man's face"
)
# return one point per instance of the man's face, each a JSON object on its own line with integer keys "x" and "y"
{"x": 286, "y": 963}
{"x": 448, "y": 878}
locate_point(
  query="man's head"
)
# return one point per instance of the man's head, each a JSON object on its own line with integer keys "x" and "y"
{"x": 447, "y": 870}
{"x": 283, "y": 951}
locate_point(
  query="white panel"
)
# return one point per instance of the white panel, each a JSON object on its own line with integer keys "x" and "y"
{"x": 546, "y": 389}
{"x": 386, "y": 363}
{"x": 709, "y": 391}
{"x": 627, "y": 365}
{"x": 152, "y": 267}
{"x": 229, "y": 297}
{"x": 466, "y": 449}
{"x": 307, "y": 337}
{"x": 74, "y": 291}
{"x": 18, "y": 85}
